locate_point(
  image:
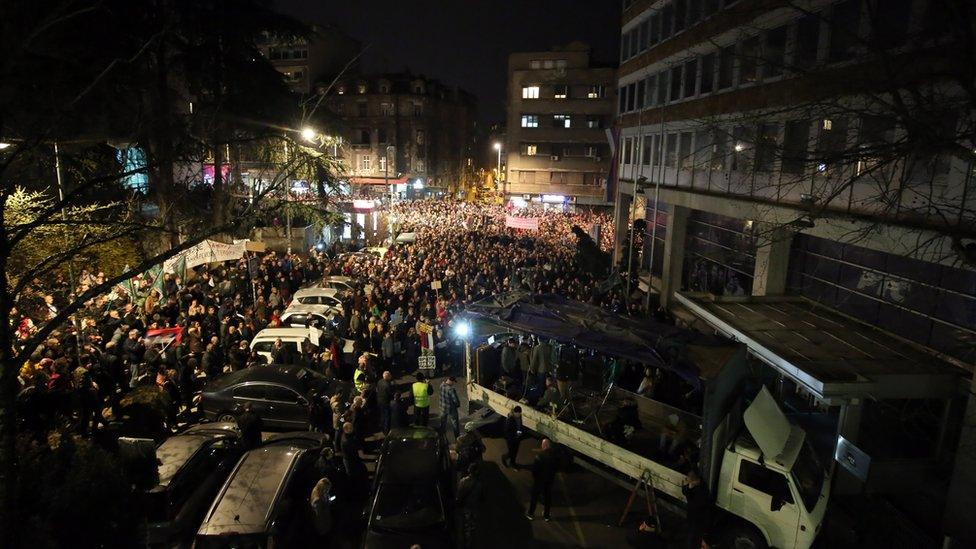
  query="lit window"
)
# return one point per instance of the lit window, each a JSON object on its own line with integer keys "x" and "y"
{"x": 530, "y": 92}
{"x": 382, "y": 163}
{"x": 530, "y": 121}
{"x": 828, "y": 124}
{"x": 560, "y": 92}
{"x": 341, "y": 90}
{"x": 531, "y": 150}
{"x": 548, "y": 64}
{"x": 535, "y": 64}
{"x": 593, "y": 122}
{"x": 420, "y": 165}
{"x": 561, "y": 120}
{"x": 595, "y": 92}
{"x": 386, "y": 109}
{"x": 362, "y": 88}
{"x": 366, "y": 162}
{"x": 589, "y": 151}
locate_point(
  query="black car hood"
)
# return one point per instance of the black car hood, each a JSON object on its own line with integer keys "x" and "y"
{"x": 434, "y": 538}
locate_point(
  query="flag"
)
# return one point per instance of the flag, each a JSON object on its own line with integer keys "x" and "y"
{"x": 164, "y": 337}
{"x": 180, "y": 268}
{"x": 156, "y": 274}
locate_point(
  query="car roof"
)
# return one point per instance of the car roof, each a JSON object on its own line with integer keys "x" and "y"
{"x": 175, "y": 452}
{"x": 247, "y": 499}
{"x": 337, "y": 278}
{"x": 304, "y": 439}
{"x": 308, "y": 308}
{"x": 291, "y": 332}
{"x": 411, "y": 455}
{"x": 316, "y": 290}
{"x": 286, "y": 375}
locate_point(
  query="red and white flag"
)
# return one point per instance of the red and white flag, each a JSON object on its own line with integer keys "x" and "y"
{"x": 164, "y": 337}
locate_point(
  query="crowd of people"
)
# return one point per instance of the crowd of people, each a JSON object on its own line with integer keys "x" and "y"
{"x": 85, "y": 373}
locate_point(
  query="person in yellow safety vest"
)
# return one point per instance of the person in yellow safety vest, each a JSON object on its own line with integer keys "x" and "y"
{"x": 359, "y": 376}
{"x": 421, "y": 399}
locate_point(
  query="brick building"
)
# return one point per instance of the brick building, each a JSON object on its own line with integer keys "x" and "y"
{"x": 422, "y": 128}
{"x": 306, "y": 62}
{"x": 559, "y": 107}
{"x": 799, "y": 164}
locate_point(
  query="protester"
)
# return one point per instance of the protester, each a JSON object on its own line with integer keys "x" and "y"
{"x": 513, "y": 437}
{"x": 450, "y": 402}
{"x": 543, "y": 475}
{"x": 421, "y": 399}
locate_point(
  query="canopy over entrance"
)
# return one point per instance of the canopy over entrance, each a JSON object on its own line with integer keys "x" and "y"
{"x": 573, "y": 322}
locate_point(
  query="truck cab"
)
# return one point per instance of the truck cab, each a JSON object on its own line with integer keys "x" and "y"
{"x": 771, "y": 486}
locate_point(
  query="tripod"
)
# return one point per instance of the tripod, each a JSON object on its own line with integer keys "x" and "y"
{"x": 595, "y": 414}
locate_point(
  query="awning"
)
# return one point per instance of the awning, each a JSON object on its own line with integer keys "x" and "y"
{"x": 573, "y": 322}
{"x": 377, "y": 181}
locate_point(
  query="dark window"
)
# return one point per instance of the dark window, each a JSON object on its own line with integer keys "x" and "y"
{"x": 646, "y": 154}
{"x": 680, "y": 12}
{"x": 640, "y": 94}
{"x": 624, "y": 47}
{"x": 631, "y": 97}
{"x": 845, "y": 21}
{"x": 642, "y": 33}
{"x": 364, "y": 137}
{"x": 773, "y": 52}
{"x": 796, "y": 134}
{"x": 622, "y": 97}
{"x": 282, "y": 394}
{"x": 628, "y": 145}
{"x": 691, "y": 77}
{"x": 662, "y": 87}
{"x": 675, "y": 83}
{"x": 766, "y": 147}
{"x": 362, "y": 109}
{"x": 667, "y": 19}
{"x": 726, "y": 61}
{"x": 257, "y": 392}
{"x": 707, "y": 73}
{"x": 655, "y": 36}
{"x": 709, "y": 7}
{"x": 651, "y": 97}
{"x": 748, "y": 60}
{"x": 671, "y": 151}
{"x": 807, "y": 41}
{"x": 765, "y": 480}
{"x": 381, "y": 135}
{"x": 694, "y": 11}
{"x": 889, "y": 21}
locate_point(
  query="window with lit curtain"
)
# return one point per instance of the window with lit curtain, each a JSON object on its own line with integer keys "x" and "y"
{"x": 530, "y": 92}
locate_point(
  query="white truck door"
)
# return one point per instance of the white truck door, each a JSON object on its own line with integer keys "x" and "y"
{"x": 754, "y": 489}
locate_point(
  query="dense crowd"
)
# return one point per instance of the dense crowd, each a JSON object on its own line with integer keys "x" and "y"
{"x": 82, "y": 375}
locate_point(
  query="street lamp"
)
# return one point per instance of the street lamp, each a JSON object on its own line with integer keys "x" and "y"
{"x": 386, "y": 177}
{"x": 308, "y": 134}
{"x": 498, "y": 147}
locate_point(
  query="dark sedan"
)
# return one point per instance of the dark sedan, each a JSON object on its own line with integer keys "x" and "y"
{"x": 277, "y": 394}
{"x": 413, "y": 492}
{"x": 192, "y": 467}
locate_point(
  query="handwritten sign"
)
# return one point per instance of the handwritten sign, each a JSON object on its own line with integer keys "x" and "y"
{"x": 436, "y": 285}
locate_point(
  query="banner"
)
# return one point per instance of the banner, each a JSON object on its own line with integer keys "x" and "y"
{"x": 527, "y": 223}
{"x": 208, "y": 251}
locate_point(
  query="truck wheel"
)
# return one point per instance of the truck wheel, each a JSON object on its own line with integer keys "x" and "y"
{"x": 743, "y": 536}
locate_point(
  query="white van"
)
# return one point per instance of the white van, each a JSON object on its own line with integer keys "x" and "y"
{"x": 264, "y": 341}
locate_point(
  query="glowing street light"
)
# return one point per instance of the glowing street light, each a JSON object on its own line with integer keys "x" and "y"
{"x": 4, "y": 146}
{"x": 498, "y": 147}
{"x": 308, "y": 134}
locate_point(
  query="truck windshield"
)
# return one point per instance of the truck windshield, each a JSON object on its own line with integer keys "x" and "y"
{"x": 808, "y": 474}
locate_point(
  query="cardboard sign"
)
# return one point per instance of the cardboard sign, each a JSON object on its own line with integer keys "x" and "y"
{"x": 427, "y": 363}
{"x": 435, "y": 285}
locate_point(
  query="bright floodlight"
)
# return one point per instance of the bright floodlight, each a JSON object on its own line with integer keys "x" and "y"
{"x": 498, "y": 146}
{"x": 463, "y": 330}
{"x": 308, "y": 134}
{"x": 418, "y": 184}
{"x": 4, "y": 146}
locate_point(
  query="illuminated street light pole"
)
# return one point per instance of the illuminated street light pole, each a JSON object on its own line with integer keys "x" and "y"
{"x": 498, "y": 147}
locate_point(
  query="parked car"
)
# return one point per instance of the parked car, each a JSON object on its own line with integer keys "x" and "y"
{"x": 264, "y": 502}
{"x": 263, "y": 342}
{"x": 278, "y": 394}
{"x": 317, "y": 316}
{"x": 193, "y": 465}
{"x": 320, "y": 296}
{"x": 413, "y": 492}
{"x": 342, "y": 283}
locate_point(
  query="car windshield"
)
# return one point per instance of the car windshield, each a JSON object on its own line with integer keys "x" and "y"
{"x": 808, "y": 474}
{"x": 407, "y": 506}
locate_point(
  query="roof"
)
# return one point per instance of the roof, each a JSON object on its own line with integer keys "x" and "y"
{"x": 315, "y": 290}
{"x": 175, "y": 452}
{"x": 411, "y": 455}
{"x": 588, "y": 326}
{"x": 309, "y": 308}
{"x": 279, "y": 373}
{"x": 338, "y": 278}
{"x": 831, "y": 355}
{"x": 292, "y": 332}
{"x": 249, "y": 495}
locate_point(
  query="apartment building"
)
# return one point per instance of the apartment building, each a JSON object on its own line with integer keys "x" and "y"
{"x": 305, "y": 62}
{"x": 809, "y": 163}
{"x": 559, "y": 107}
{"x": 411, "y": 128}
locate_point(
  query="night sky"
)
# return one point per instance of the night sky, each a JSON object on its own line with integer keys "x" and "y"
{"x": 465, "y": 42}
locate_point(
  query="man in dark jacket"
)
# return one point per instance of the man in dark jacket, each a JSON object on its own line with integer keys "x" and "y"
{"x": 543, "y": 474}
{"x": 699, "y": 507}
{"x": 384, "y": 394}
{"x": 250, "y": 425}
{"x": 513, "y": 436}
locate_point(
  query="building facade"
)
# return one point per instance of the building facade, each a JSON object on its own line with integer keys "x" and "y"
{"x": 559, "y": 108}
{"x": 308, "y": 61}
{"x": 405, "y": 127}
{"x": 819, "y": 156}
